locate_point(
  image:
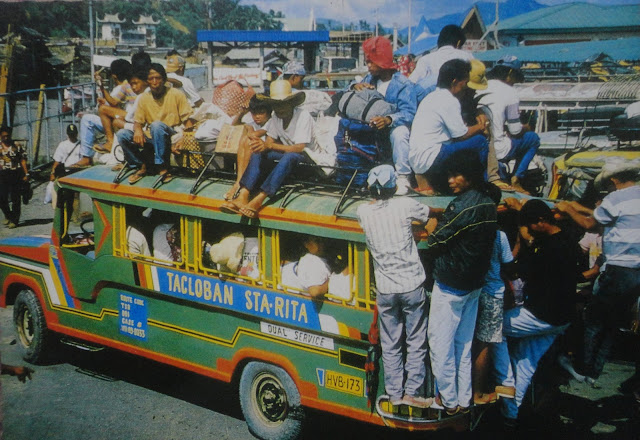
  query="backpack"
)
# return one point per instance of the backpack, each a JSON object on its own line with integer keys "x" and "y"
{"x": 364, "y": 105}
{"x": 357, "y": 148}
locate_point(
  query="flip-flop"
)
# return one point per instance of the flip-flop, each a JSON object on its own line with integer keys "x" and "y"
{"x": 232, "y": 193}
{"x": 75, "y": 166}
{"x": 249, "y": 212}
{"x": 230, "y": 208}
{"x": 100, "y": 149}
{"x": 167, "y": 177}
{"x": 135, "y": 178}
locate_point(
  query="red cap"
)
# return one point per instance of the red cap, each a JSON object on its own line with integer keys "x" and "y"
{"x": 378, "y": 51}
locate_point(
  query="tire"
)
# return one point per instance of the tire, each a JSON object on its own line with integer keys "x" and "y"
{"x": 270, "y": 402}
{"x": 34, "y": 337}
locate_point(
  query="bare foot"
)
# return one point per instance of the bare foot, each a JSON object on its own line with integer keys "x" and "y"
{"x": 83, "y": 163}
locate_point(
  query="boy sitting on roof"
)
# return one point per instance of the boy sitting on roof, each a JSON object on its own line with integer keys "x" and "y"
{"x": 175, "y": 74}
{"x": 398, "y": 90}
{"x": 163, "y": 110}
{"x": 289, "y": 134}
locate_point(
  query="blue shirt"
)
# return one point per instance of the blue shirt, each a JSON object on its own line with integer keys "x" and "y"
{"x": 501, "y": 254}
{"x": 619, "y": 213}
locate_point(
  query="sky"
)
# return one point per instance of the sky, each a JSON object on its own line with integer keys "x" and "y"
{"x": 389, "y": 12}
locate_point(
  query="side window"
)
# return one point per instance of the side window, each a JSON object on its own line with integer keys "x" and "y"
{"x": 149, "y": 235}
{"x": 320, "y": 267}
{"x": 76, "y": 221}
{"x": 231, "y": 250}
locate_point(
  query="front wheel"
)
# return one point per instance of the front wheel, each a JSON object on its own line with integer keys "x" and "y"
{"x": 270, "y": 402}
{"x": 34, "y": 336}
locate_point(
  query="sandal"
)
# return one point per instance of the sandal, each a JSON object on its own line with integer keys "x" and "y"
{"x": 230, "y": 208}
{"x": 437, "y": 403}
{"x": 232, "y": 193}
{"x": 249, "y": 212}
{"x": 135, "y": 178}
{"x": 504, "y": 186}
{"x": 101, "y": 149}
{"x": 167, "y": 177}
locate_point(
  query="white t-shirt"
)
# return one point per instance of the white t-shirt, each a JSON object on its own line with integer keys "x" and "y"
{"x": 437, "y": 121}
{"x": 161, "y": 248}
{"x": 67, "y": 152}
{"x": 137, "y": 242}
{"x": 382, "y": 86}
{"x": 310, "y": 270}
{"x": 299, "y": 130}
{"x": 428, "y": 67}
{"x": 504, "y": 104}
{"x": 187, "y": 88}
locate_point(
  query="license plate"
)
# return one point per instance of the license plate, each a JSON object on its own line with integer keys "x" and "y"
{"x": 345, "y": 383}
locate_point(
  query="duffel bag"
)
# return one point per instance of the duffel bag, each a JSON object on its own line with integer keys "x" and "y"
{"x": 357, "y": 148}
{"x": 363, "y": 105}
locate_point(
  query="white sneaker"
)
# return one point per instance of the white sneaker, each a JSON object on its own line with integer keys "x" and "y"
{"x": 565, "y": 363}
{"x": 403, "y": 185}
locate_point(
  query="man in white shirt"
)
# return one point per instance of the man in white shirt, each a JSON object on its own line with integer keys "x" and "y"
{"x": 289, "y": 135}
{"x": 175, "y": 75}
{"x": 512, "y": 139}
{"x": 438, "y": 129}
{"x": 67, "y": 153}
{"x": 450, "y": 40}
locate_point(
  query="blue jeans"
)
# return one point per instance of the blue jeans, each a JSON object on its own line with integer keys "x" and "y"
{"x": 262, "y": 167}
{"x": 614, "y": 293}
{"x": 403, "y": 329}
{"x": 522, "y": 150}
{"x": 532, "y": 339}
{"x": 90, "y": 125}
{"x": 437, "y": 173}
{"x": 160, "y": 142}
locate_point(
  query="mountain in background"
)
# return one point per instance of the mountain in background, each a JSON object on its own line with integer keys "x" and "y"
{"x": 487, "y": 10}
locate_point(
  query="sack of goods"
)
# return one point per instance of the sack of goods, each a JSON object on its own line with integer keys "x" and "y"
{"x": 357, "y": 145}
{"x": 364, "y": 104}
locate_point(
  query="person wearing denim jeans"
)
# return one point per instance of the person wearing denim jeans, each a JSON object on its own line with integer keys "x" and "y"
{"x": 161, "y": 111}
{"x": 289, "y": 134}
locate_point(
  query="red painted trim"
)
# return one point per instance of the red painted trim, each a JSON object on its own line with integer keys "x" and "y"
{"x": 38, "y": 254}
{"x": 16, "y": 278}
{"x": 65, "y": 274}
{"x": 107, "y": 226}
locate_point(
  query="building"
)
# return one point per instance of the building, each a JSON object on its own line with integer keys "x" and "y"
{"x": 122, "y": 32}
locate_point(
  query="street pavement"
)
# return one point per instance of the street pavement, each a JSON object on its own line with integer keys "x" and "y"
{"x": 110, "y": 395}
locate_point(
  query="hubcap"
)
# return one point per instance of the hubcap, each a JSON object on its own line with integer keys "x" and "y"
{"x": 25, "y": 328}
{"x": 270, "y": 397}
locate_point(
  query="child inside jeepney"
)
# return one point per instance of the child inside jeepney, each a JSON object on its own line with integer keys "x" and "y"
{"x": 311, "y": 272}
{"x": 254, "y": 137}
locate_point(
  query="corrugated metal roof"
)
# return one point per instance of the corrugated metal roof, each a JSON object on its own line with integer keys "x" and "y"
{"x": 575, "y": 16}
{"x": 621, "y": 49}
{"x": 264, "y": 36}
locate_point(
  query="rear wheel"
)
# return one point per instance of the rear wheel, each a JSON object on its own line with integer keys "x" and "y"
{"x": 31, "y": 328}
{"x": 270, "y": 402}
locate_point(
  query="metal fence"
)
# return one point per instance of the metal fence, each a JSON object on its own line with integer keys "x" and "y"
{"x": 60, "y": 106}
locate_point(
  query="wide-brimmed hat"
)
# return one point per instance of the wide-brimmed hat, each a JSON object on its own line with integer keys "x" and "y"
{"x": 477, "y": 76}
{"x": 280, "y": 92}
{"x": 610, "y": 169}
{"x": 174, "y": 63}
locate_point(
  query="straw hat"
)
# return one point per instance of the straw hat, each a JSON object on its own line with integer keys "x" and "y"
{"x": 477, "y": 76}
{"x": 280, "y": 93}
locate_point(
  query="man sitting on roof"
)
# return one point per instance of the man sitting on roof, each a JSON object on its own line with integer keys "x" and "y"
{"x": 289, "y": 134}
{"x": 450, "y": 40}
{"x": 175, "y": 75}
{"x": 163, "y": 111}
{"x": 398, "y": 90}
{"x": 512, "y": 139}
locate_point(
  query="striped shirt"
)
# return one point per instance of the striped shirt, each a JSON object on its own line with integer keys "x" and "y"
{"x": 619, "y": 213}
{"x": 387, "y": 227}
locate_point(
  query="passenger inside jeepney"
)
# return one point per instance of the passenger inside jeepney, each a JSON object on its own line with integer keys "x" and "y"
{"x": 310, "y": 273}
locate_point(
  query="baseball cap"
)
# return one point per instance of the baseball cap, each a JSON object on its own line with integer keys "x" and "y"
{"x": 174, "y": 62}
{"x": 72, "y": 129}
{"x": 382, "y": 175}
{"x": 293, "y": 68}
{"x": 511, "y": 61}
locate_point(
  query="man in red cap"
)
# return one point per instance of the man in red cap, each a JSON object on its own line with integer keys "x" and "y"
{"x": 396, "y": 89}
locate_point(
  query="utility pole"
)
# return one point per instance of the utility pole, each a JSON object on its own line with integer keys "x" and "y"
{"x": 91, "y": 46}
{"x": 409, "y": 37}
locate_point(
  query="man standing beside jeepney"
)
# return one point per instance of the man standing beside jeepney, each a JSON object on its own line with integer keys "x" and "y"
{"x": 399, "y": 273}
{"x": 163, "y": 110}
{"x": 398, "y": 90}
{"x": 618, "y": 285}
